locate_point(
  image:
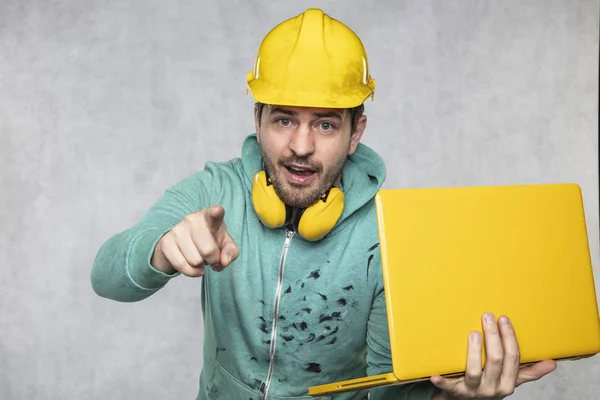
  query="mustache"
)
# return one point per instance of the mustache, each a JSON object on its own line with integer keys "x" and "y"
{"x": 302, "y": 161}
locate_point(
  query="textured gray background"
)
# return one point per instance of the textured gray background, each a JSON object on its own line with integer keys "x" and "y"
{"x": 103, "y": 104}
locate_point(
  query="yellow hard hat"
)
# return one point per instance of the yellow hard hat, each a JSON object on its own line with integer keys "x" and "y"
{"x": 311, "y": 60}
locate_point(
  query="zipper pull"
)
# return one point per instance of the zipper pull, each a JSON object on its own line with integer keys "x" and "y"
{"x": 289, "y": 233}
{"x": 289, "y": 230}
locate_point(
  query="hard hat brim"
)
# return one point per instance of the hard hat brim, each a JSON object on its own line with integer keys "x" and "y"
{"x": 264, "y": 93}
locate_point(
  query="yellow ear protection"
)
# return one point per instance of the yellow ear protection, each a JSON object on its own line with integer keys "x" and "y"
{"x": 312, "y": 223}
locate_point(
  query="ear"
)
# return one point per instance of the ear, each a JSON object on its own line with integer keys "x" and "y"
{"x": 361, "y": 125}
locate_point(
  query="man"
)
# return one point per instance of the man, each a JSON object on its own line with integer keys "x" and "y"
{"x": 285, "y": 238}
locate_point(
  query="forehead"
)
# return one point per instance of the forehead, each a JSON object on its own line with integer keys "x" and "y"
{"x": 306, "y": 112}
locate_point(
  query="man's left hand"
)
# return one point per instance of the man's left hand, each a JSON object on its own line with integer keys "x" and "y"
{"x": 502, "y": 372}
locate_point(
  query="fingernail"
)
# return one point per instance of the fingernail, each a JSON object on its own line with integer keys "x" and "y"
{"x": 488, "y": 318}
{"x": 475, "y": 337}
{"x": 504, "y": 321}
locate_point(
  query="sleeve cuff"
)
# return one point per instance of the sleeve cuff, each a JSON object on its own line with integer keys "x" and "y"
{"x": 139, "y": 254}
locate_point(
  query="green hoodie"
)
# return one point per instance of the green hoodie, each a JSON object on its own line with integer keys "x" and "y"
{"x": 330, "y": 323}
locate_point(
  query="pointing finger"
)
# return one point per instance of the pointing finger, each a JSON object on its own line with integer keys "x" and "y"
{"x": 214, "y": 217}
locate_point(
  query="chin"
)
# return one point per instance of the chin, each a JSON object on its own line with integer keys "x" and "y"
{"x": 300, "y": 197}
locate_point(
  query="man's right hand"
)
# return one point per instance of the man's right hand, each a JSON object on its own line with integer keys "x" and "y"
{"x": 200, "y": 239}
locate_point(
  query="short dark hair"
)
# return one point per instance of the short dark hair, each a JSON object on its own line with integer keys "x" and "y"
{"x": 355, "y": 114}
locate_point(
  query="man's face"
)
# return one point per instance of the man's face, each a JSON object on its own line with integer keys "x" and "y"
{"x": 304, "y": 149}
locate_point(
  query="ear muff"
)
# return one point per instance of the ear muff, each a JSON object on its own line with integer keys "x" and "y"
{"x": 270, "y": 209}
{"x": 315, "y": 221}
{"x": 320, "y": 218}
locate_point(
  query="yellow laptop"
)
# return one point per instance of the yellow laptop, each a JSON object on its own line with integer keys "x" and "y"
{"x": 451, "y": 254}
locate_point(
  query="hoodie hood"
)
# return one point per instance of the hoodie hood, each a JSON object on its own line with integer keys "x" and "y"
{"x": 363, "y": 175}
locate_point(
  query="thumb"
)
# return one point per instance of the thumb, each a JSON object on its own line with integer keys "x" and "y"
{"x": 229, "y": 250}
{"x": 535, "y": 371}
{"x": 214, "y": 216}
{"x": 445, "y": 384}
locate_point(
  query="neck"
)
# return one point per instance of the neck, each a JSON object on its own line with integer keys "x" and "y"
{"x": 294, "y": 214}
{"x": 338, "y": 182}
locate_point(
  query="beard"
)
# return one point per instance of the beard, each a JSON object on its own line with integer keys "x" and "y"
{"x": 301, "y": 196}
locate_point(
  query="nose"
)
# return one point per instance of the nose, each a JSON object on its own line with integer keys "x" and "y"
{"x": 302, "y": 142}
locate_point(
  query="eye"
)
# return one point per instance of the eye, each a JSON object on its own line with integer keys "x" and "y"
{"x": 284, "y": 122}
{"x": 326, "y": 126}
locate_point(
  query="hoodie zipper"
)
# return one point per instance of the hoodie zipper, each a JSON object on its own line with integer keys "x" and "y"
{"x": 289, "y": 233}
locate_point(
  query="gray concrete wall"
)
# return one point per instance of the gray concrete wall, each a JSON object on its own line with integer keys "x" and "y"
{"x": 103, "y": 104}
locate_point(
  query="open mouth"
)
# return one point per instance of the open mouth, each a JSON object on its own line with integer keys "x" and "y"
{"x": 300, "y": 171}
{"x": 300, "y": 174}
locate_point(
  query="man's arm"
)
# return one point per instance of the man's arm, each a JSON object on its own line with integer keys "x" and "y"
{"x": 379, "y": 355}
{"x": 122, "y": 269}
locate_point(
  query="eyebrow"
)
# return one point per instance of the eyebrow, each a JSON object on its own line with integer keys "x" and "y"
{"x": 280, "y": 110}
{"x": 291, "y": 113}
{"x": 331, "y": 114}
